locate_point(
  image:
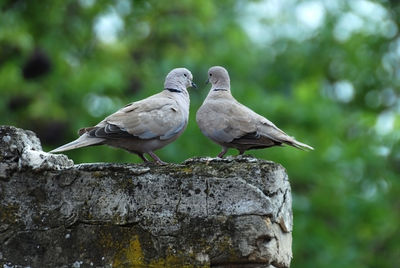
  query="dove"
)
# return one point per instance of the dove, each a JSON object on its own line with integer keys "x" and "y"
{"x": 146, "y": 125}
{"x": 230, "y": 124}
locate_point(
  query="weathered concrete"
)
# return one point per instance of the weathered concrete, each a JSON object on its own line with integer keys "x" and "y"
{"x": 234, "y": 212}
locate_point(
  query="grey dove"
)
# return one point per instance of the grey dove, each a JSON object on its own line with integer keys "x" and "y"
{"x": 232, "y": 125}
{"x": 146, "y": 125}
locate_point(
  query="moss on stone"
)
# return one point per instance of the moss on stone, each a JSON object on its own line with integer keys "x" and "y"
{"x": 9, "y": 213}
{"x": 133, "y": 256}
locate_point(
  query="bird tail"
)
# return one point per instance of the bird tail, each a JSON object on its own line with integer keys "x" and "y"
{"x": 299, "y": 145}
{"x": 82, "y": 141}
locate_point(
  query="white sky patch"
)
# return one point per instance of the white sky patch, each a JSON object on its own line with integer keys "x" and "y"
{"x": 334, "y": 6}
{"x": 108, "y": 26}
{"x": 86, "y": 3}
{"x": 344, "y": 91}
{"x": 123, "y": 7}
{"x": 367, "y": 17}
{"x": 371, "y": 10}
{"x": 254, "y": 13}
{"x": 311, "y": 14}
{"x": 389, "y": 61}
{"x": 266, "y": 8}
{"x": 268, "y": 20}
{"x": 369, "y": 190}
{"x": 376, "y": 17}
{"x": 389, "y": 97}
{"x": 347, "y": 24}
{"x": 389, "y": 29}
{"x": 143, "y": 29}
{"x": 385, "y": 123}
{"x": 382, "y": 151}
{"x": 98, "y": 105}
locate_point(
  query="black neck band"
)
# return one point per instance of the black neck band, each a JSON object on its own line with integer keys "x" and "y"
{"x": 220, "y": 89}
{"x": 173, "y": 90}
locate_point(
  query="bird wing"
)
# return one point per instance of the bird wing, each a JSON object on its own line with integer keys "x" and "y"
{"x": 267, "y": 130}
{"x": 154, "y": 117}
{"x": 226, "y": 120}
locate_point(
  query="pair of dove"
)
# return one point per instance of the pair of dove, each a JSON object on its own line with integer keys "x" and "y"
{"x": 150, "y": 124}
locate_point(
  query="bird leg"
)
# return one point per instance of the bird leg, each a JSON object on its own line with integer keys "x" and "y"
{"x": 156, "y": 158}
{"x": 223, "y": 152}
{"x": 141, "y": 155}
{"x": 241, "y": 152}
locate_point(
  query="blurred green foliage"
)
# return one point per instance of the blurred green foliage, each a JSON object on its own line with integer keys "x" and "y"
{"x": 326, "y": 72}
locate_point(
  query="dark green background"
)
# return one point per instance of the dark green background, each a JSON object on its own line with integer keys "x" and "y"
{"x": 326, "y": 72}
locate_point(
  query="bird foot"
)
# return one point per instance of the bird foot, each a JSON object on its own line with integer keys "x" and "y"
{"x": 161, "y": 163}
{"x": 143, "y": 158}
{"x": 157, "y": 160}
{"x": 222, "y": 153}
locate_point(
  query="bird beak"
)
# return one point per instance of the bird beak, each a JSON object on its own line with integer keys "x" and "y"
{"x": 208, "y": 81}
{"x": 194, "y": 85}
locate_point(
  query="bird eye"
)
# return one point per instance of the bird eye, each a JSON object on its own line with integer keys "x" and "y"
{"x": 210, "y": 74}
{"x": 185, "y": 75}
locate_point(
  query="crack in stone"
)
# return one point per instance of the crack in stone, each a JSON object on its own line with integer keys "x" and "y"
{"x": 241, "y": 264}
{"x": 282, "y": 204}
{"x": 207, "y": 194}
{"x": 103, "y": 223}
{"x": 179, "y": 200}
{"x": 272, "y": 194}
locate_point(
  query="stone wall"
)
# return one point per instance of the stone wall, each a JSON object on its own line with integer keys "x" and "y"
{"x": 233, "y": 212}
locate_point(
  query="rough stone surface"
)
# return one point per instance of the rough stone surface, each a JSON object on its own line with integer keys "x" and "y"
{"x": 21, "y": 149}
{"x": 233, "y": 212}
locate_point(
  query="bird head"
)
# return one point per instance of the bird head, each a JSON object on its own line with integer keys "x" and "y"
{"x": 218, "y": 77}
{"x": 179, "y": 78}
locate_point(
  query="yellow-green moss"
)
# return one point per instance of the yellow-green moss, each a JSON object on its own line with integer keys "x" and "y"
{"x": 97, "y": 174}
{"x": 133, "y": 256}
{"x": 187, "y": 170}
{"x": 8, "y": 214}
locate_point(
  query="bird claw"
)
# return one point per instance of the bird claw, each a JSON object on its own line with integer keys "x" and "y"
{"x": 161, "y": 163}
{"x": 157, "y": 160}
{"x": 222, "y": 153}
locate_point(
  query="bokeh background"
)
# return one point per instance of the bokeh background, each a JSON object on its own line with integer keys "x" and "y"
{"x": 325, "y": 71}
